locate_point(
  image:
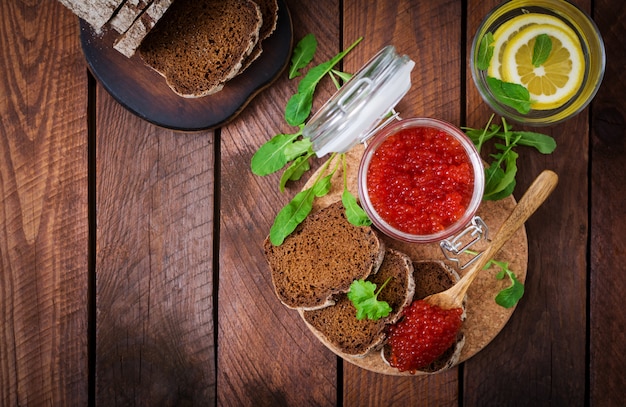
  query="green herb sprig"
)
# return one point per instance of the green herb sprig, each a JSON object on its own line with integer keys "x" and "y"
{"x": 541, "y": 50}
{"x": 299, "y": 106}
{"x": 294, "y": 151}
{"x": 509, "y": 296}
{"x": 485, "y": 51}
{"x": 500, "y": 174}
{"x": 364, "y": 297}
{"x": 511, "y": 94}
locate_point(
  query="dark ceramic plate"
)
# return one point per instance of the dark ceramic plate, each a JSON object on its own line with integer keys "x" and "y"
{"x": 144, "y": 92}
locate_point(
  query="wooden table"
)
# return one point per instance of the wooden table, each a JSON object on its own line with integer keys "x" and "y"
{"x": 131, "y": 263}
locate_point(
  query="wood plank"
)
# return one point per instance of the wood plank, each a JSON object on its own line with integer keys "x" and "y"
{"x": 266, "y": 355}
{"x": 429, "y": 33}
{"x": 608, "y": 217}
{"x": 539, "y": 357}
{"x": 43, "y": 207}
{"x": 154, "y": 275}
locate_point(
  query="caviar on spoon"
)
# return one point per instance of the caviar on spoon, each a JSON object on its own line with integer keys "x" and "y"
{"x": 430, "y": 326}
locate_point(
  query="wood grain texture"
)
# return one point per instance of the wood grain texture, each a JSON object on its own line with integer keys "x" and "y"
{"x": 429, "y": 33}
{"x": 608, "y": 217}
{"x": 154, "y": 275}
{"x": 43, "y": 207}
{"x": 553, "y": 371}
{"x": 156, "y": 233}
{"x": 266, "y": 355}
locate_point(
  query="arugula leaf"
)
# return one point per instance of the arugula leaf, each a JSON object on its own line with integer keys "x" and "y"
{"x": 541, "y": 50}
{"x": 510, "y": 296}
{"x": 270, "y": 157}
{"x": 543, "y": 143}
{"x": 500, "y": 174}
{"x": 510, "y": 94}
{"x": 345, "y": 76}
{"x": 285, "y": 149}
{"x": 295, "y": 171}
{"x": 500, "y": 182}
{"x": 297, "y": 148}
{"x": 364, "y": 297}
{"x": 479, "y": 136}
{"x": 322, "y": 187}
{"x": 291, "y": 216}
{"x": 299, "y": 105}
{"x": 485, "y": 51}
{"x": 342, "y": 75}
{"x": 355, "y": 214}
{"x": 302, "y": 54}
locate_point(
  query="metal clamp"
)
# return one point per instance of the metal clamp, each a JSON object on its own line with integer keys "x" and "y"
{"x": 457, "y": 245}
{"x": 391, "y": 116}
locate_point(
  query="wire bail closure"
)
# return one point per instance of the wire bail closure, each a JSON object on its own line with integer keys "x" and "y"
{"x": 454, "y": 247}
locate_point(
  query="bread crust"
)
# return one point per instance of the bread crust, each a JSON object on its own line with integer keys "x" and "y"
{"x": 127, "y": 14}
{"x": 269, "y": 11}
{"x": 95, "y": 12}
{"x": 128, "y": 42}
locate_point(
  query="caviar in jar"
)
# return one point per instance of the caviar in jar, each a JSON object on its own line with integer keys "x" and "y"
{"x": 421, "y": 180}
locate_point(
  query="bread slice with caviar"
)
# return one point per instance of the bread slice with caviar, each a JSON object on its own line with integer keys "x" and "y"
{"x": 430, "y": 278}
{"x": 198, "y": 45}
{"x": 321, "y": 258}
{"x": 337, "y": 325}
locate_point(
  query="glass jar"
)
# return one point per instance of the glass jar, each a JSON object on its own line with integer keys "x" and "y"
{"x": 517, "y": 21}
{"x": 420, "y": 180}
{"x": 362, "y": 111}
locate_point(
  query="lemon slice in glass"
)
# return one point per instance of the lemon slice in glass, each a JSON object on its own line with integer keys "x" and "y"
{"x": 506, "y": 31}
{"x": 555, "y": 81}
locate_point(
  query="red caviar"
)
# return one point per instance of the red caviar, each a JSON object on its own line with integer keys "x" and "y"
{"x": 423, "y": 334}
{"x": 420, "y": 180}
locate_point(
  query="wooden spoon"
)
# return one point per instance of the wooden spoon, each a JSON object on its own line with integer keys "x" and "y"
{"x": 536, "y": 194}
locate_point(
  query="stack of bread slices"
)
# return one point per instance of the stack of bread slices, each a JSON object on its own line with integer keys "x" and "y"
{"x": 197, "y": 45}
{"x": 313, "y": 269}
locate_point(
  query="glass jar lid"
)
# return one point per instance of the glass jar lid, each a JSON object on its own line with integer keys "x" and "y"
{"x": 353, "y": 114}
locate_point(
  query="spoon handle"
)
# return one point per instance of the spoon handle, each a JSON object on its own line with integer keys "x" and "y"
{"x": 532, "y": 199}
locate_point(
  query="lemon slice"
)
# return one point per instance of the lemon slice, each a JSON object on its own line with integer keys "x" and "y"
{"x": 508, "y": 30}
{"x": 555, "y": 81}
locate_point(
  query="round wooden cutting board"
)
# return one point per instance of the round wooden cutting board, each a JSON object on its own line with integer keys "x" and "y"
{"x": 145, "y": 93}
{"x": 484, "y": 318}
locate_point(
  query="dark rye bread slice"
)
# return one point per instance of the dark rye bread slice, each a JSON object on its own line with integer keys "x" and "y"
{"x": 198, "y": 45}
{"x": 321, "y": 258}
{"x": 337, "y": 325}
{"x": 269, "y": 11}
{"x": 432, "y": 277}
